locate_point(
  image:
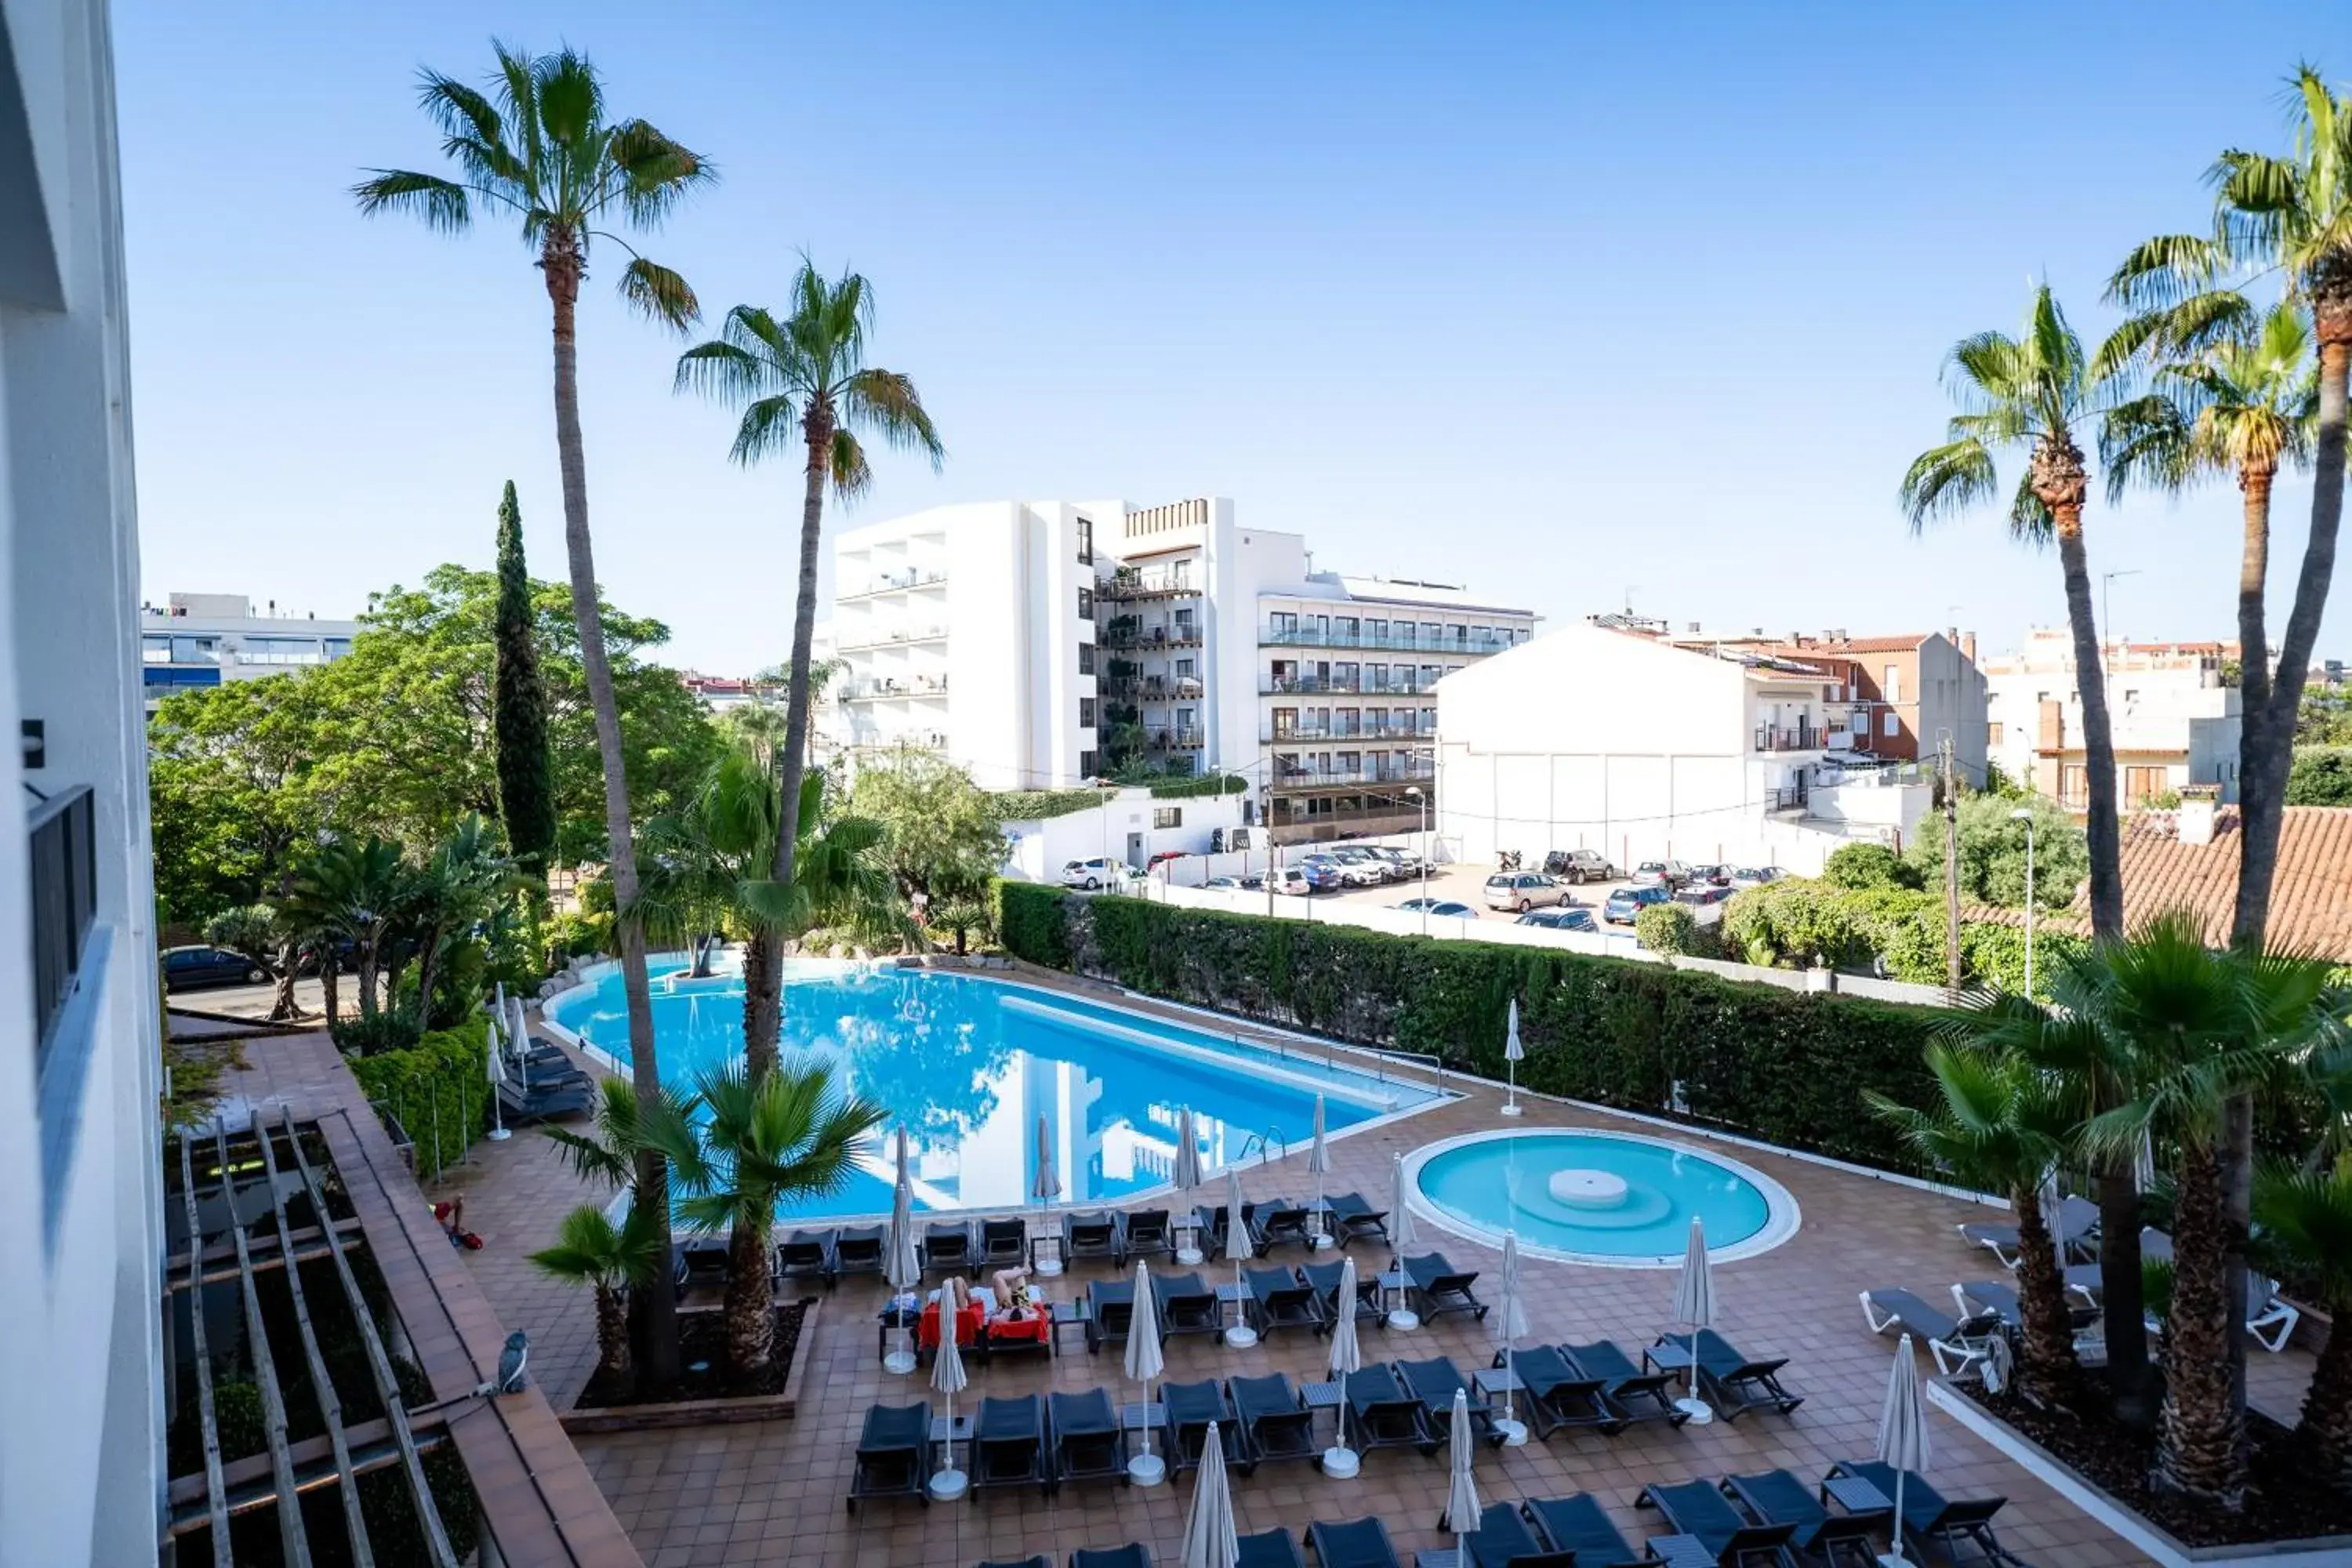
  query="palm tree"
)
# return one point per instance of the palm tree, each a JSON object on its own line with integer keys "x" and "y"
{"x": 623, "y": 1130}
{"x": 459, "y": 884}
{"x": 616, "y": 1260}
{"x": 1999, "y": 1128}
{"x": 353, "y": 889}
{"x": 766, "y": 1139}
{"x": 2206, "y": 1026}
{"x": 2305, "y": 1222}
{"x": 538, "y": 148}
{"x": 805, "y": 375}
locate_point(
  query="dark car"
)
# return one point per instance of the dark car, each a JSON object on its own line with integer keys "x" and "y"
{"x": 1700, "y": 894}
{"x": 1710, "y": 875}
{"x": 1627, "y": 903}
{"x": 191, "y": 968}
{"x": 1558, "y": 920}
{"x": 1578, "y": 866}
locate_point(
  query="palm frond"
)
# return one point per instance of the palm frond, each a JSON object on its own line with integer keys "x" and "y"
{"x": 656, "y": 172}
{"x": 848, "y": 466}
{"x": 2030, "y": 517}
{"x": 656, "y": 291}
{"x": 768, "y": 426}
{"x": 2146, "y": 442}
{"x": 1945, "y": 480}
{"x": 440, "y": 204}
{"x": 720, "y": 369}
{"x": 570, "y": 99}
{"x": 886, "y": 402}
{"x": 2162, "y": 272}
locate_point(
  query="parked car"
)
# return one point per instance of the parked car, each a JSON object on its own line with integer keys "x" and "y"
{"x": 1711, "y": 875}
{"x": 1406, "y": 863}
{"x": 1232, "y": 882}
{"x": 1445, "y": 907}
{"x": 1089, "y": 875}
{"x": 1746, "y": 877}
{"x": 1361, "y": 866}
{"x": 1290, "y": 882}
{"x": 1699, "y": 894}
{"x": 1661, "y": 874}
{"x": 1522, "y": 890}
{"x": 1322, "y": 873}
{"x": 1626, "y": 903}
{"x": 189, "y": 968}
{"x": 1580, "y": 865}
{"x": 1558, "y": 920}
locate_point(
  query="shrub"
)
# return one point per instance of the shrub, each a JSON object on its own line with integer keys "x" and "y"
{"x": 2320, "y": 776}
{"x": 1793, "y": 923}
{"x": 1994, "y": 954}
{"x": 370, "y": 1035}
{"x": 961, "y": 919}
{"x": 439, "y": 1089}
{"x": 1208, "y": 784}
{"x": 1784, "y": 1066}
{"x": 1030, "y": 804}
{"x": 1669, "y": 929}
{"x": 1859, "y": 866}
{"x": 1992, "y": 853}
{"x": 580, "y": 936}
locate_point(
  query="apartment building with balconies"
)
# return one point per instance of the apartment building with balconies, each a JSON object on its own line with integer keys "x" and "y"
{"x": 2174, "y": 710}
{"x": 194, "y": 640}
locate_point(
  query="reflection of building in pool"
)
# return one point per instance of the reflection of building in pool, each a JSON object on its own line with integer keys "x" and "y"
{"x": 994, "y": 1165}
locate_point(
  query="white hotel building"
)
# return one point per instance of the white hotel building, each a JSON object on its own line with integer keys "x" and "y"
{"x": 1037, "y": 642}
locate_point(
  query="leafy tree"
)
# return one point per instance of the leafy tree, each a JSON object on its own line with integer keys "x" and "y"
{"x": 1793, "y": 922}
{"x": 355, "y": 890}
{"x": 256, "y": 931}
{"x": 767, "y": 1137}
{"x": 804, "y": 376}
{"x": 2325, "y": 717}
{"x": 526, "y": 793}
{"x": 613, "y": 1260}
{"x": 540, "y": 148}
{"x": 2037, "y": 391}
{"x": 1867, "y": 866}
{"x": 1669, "y": 929}
{"x": 1992, "y": 854}
{"x": 941, "y": 828}
{"x": 2322, "y": 775}
{"x": 234, "y": 796}
{"x": 457, "y": 887}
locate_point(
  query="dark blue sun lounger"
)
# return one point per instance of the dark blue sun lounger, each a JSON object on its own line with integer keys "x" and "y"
{"x": 1840, "y": 1540}
{"x": 1382, "y": 1414}
{"x": 1274, "y": 1422}
{"x": 1931, "y": 1516}
{"x": 1632, "y": 1393}
{"x": 1008, "y": 1445}
{"x": 1435, "y": 1383}
{"x": 1187, "y": 1408}
{"x": 1134, "y": 1554}
{"x": 1268, "y": 1549}
{"x": 894, "y": 1454}
{"x": 1087, "y": 1443}
{"x": 1503, "y": 1540}
{"x": 1579, "y": 1523}
{"x": 1325, "y": 1277}
{"x": 1696, "y": 1509}
{"x": 1357, "y": 1543}
{"x": 1559, "y": 1393}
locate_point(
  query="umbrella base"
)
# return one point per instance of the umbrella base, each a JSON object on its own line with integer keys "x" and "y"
{"x": 898, "y": 1364}
{"x": 1894, "y": 1560}
{"x": 1513, "y": 1433}
{"x": 1698, "y": 1410}
{"x": 498, "y": 1134}
{"x": 1404, "y": 1321}
{"x": 949, "y": 1485}
{"x": 1049, "y": 1268}
{"x": 1513, "y": 1110}
{"x": 1189, "y": 1257}
{"x": 1146, "y": 1470}
{"x": 1240, "y": 1336}
{"x": 1341, "y": 1463}
{"x": 1321, "y": 1243}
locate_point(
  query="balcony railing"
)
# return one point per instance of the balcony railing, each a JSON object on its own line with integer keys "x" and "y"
{"x": 891, "y": 638}
{"x": 1793, "y": 798}
{"x": 1398, "y": 642}
{"x": 1803, "y": 738}
{"x": 889, "y": 686}
{"x": 1367, "y": 685}
{"x": 1119, "y": 634}
{"x": 1175, "y": 740}
{"x": 64, "y": 853}
{"x": 897, "y": 582}
{"x": 1382, "y": 773}
{"x": 1364, "y": 729}
{"x": 1148, "y": 583}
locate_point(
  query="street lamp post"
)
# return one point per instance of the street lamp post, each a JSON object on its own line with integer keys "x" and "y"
{"x": 2025, "y": 816}
{"x": 1413, "y": 792}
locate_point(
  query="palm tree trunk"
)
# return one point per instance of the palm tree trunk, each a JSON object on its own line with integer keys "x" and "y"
{"x": 2046, "y": 1366}
{"x": 331, "y": 967}
{"x": 653, "y": 1311}
{"x": 2201, "y": 1446}
{"x": 2254, "y": 638}
{"x": 289, "y": 954}
{"x": 2098, "y": 735}
{"x": 613, "y": 1333}
{"x": 763, "y": 1007}
{"x": 763, "y": 994}
{"x": 2327, "y": 1425}
{"x": 748, "y": 1311}
{"x": 2122, "y": 1292}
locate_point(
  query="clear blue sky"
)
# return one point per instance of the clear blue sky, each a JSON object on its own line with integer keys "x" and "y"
{"x": 1549, "y": 300}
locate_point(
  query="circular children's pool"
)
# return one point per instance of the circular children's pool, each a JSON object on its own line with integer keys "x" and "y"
{"x": 1611, "y": 1198}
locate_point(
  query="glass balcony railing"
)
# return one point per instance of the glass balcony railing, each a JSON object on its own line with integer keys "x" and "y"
{"x": 1401, "y": 642}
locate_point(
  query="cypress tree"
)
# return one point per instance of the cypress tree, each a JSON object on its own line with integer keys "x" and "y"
{"x": 526, "y": 791}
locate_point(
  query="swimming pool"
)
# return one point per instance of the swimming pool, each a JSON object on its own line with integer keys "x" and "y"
{"x": 1616, "y": 1199}
{"x": 967, "y": 1065}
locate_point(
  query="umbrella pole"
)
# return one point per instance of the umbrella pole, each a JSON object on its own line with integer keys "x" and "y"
{"x": 1699, "y": 1411}
{"x": 1511, "y": 1105}
{"x": 1339, "y": 1461}
{"x": 1894, "y": 1532}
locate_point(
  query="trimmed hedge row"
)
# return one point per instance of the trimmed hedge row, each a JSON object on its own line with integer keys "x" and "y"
{"x": 1032, "y": 804}
{"x": 1785, "y": 1067}
{"x": 1205, "y": 784}
{"x": 438, "y": 1087}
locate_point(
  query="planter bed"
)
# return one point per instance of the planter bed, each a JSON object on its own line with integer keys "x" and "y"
{"x": 713, "y": 1396}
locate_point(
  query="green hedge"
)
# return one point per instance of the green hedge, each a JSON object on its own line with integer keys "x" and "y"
{"x": 440, "y": 1085}
{"x": 1207, "y": 784}
{"x": 1030, "y": 804}
{"x": 1785, "y": 1067}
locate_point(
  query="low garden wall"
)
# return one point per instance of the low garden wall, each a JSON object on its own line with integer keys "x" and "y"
{"x": 1784, "y": 1067}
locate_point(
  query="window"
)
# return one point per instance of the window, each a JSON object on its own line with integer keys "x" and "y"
{"x": 1167, "y": 817}
{"x": 155, "y": 650}
{"x": 1086, "y": 604}
{"x": 1286, "y": 722}
{"x": 1993, "y": 733}
{"x": 1086, "y": 541}
{"x": 1086, "y": 712}
{"x": 1378, "y": 631}
{"x": 1186, "y": 669}
{"x": 2074, "y": 784}
{"x": 1087, "y": 765}
{"x": 1893, "y": 685}
{"x": 1891, "y": 724}
{"x": 1431, "y": 634}
{"x": 1185, "y": 630}
{"x": 1282, "y": 624}
{"x": 1086, "y": 659}
{"x": 2143, "y": 783}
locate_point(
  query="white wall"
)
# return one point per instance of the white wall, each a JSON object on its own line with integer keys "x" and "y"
{"x": 1041, "y": 847}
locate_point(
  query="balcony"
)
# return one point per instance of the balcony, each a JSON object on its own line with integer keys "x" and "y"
{"x": 897, "y": 582}
{"x": 897, "y": 637}
{"x": 1160, "y": 688}
{"x": 889, "y": 687}
{"x": 62, "y": 830}
{"x": 1124, "y": 633}
{"x": 1149, "y": 583}
{"x": 1803, "y": 738}
{"x": 1290, "y": 826}
{"x": 1366, "y": 684}
{"x": 1319, "y": 775}
{"x": 1365, "y": 729}
{"x": 1396, "y": 642}
{"x": 1176, "y": 740}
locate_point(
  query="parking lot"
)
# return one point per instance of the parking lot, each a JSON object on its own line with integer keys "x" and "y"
{"x": 1463, "y": 884}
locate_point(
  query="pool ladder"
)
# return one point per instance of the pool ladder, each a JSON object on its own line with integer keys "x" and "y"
{"x": 1263, "y": 1143}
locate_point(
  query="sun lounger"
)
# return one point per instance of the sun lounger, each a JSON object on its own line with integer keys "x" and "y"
{"x": 1634, "y": 1391}
{"x": 1578, "y": 1523}
{"x": 947, "y": 1248}
{"x": 1278, "y": 1300}
{"x": 1698, "y": 1509}
{"x": 1505, "y": 1540}
{"x": 2078, "y": 1223}
{"x": 1209, "y": 1225}
{"x": 1382, "y": 1414}
{"x": 1146, "y": 1235}
{"x": 1559, "y": 1393}
{"x": 1439, "y": 1288}
{"x": 1279, "y": 1224}
{"x": 1325, "y": 1277}
{"x": 1087, "y": 1443}
{"x": 1358, "y": 1543}
{"x": 2269, "y": 1319}
{"x": 1433, "y": 1382}
{"x": 699, "y": 1263}
{"x": 858, "y": 1249}
{"x": 1957, "y": 1343}
{"x": 1094, "y": 1233}
{"x": 1110, "y": 1313}
{"x": 1186, "y": 1410}
{"x": 894, "y": 1454}
{"x": 549, "y": 1105}
{"x": 808, "y": 1253}
{"x": 1003, "y": 1243}
{"x": 1134, "y": 1554}
{"x": 1187, "y": 1306}
{"x": 1357, "y": 1220}
{"x": 1037, "y": 1560}
{"x": 1999, "y": 1297}
{"x": 1274, "y": 1421}
{"x": 1734, "y": 1384}
{"x": 1008, "y": 1445}
{"x": 1928, "y": 1516}
{"x": 1030, "y": 1334}
{"x": 1268, "y": 1549}
{"x": 1839, "y": 1540}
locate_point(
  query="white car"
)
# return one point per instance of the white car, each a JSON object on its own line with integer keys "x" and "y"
{"x": 1357, "y": 868}
{"x": 1290, "y": 882}
{"x": 1092, "y": 875}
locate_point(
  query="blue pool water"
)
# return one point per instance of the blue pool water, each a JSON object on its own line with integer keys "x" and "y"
{"x": 968, "y": 1064}
{"x": 1595, "y": 1194}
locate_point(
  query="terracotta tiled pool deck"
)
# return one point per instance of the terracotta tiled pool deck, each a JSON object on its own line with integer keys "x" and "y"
{"x": 772, "y": 1493}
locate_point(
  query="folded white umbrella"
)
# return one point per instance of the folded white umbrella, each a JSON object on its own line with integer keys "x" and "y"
{"x": 1045, "y": 1189}
{"x": 1209, "y": 1540}
{"x": 1510, "y": 1323}
{"x": 1347, "y": 1358}
{"x": 1144, "y": 1363}
{"x": 1319, "y": 1165}
{"x": 1186, "y": 1175}
{"x": 1401, "y": 1236}
{"x": 1513, "y": 1055}
{"x": 2053, "y": 1205}
{"x": 1903, "y": 1429}
{"x": 1238, "y": 1251}
{"x": 518, "y": 1042}
{"x": 497, "y": 1068}
{"x": 948, "y": 1377}
{"x": 1694, "y": 1309}
{"x": 1462, "y": 1504}
{"x": 901, "y": 1266}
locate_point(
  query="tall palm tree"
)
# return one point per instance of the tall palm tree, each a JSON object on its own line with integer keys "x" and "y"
{"x": 2206, "y": 1027}
{"x": 539, "y": 148}
{"x": 802, "y": 375}
{"x": 616, "y": 1260}
{"x": 1998, "y": 1127}
{"x": 2305, "y": 1220}
{"x": 766, "y": 1140}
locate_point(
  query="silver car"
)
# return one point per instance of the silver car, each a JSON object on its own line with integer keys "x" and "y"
{"x": 1522, "y": 890}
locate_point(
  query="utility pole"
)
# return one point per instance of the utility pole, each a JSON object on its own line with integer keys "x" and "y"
{"x": 1951, "y": 865}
